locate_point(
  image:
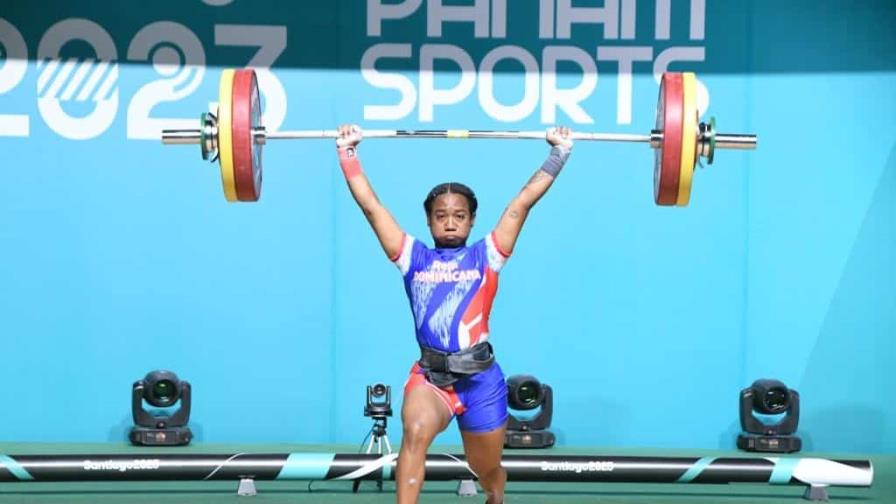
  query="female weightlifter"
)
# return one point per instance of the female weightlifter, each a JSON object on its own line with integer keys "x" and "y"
{"x": 451, "y": 288}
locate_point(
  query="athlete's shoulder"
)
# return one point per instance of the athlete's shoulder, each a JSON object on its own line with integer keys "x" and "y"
{"x": 496, "y": 256}
{"x": 413, "y": 252}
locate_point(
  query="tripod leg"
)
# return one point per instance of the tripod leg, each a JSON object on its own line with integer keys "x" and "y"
{"x": 356, "y": 484}
{"x": 379, "y": 448}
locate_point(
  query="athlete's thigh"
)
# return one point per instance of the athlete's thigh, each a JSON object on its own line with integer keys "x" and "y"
{"x": 424, "y": 410}
{"x": 485, "y": 401}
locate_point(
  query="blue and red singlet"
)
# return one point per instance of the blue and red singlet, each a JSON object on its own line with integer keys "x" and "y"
{"x": 451, "y": 292}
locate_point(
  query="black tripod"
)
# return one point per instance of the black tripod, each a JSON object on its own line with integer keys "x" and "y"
{"x": 379, "y": 408}
{"x": 380, "y": 439}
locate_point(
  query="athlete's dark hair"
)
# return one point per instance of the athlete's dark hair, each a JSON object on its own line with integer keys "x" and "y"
{"x": 453, "y": 188}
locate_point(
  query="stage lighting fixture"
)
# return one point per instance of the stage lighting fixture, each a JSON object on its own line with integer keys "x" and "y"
{"x": 161, "y": 389}
{"x": 780, "y": 410}
{"x": 526, "y": 393}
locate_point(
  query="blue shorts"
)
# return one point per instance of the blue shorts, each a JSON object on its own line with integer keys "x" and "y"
{"x": 479, "y": 401}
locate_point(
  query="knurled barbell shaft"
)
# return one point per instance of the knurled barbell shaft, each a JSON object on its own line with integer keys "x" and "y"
{"x": 462, "y": 134}
{"x": 723, "y": 140}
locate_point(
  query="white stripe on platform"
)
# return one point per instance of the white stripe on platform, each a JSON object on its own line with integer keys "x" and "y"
{"x": 369, "y": 467}
{"x": 818, "y": 471}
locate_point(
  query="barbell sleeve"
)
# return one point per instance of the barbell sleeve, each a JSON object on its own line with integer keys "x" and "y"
{"x": 735, "y": 141}
{"x": 181, "y": 137}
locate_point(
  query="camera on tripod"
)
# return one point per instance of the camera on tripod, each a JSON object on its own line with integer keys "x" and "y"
{"x": 379, "y": 401}
{"x": 379, "y": 408}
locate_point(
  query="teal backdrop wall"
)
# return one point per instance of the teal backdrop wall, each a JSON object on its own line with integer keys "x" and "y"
{"x": 119, "y": 255}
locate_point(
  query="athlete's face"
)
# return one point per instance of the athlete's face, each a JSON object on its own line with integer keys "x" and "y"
{"x": 450, "y": 220}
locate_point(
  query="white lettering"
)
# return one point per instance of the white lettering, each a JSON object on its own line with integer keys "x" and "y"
{"x": 122, "y": 465}
{"x": 529, "y": 102}
{"x": 106, "y": 99}
{"x": 546, "y": 19}
{"x": 499, "y": 18}
{"x": 437, "y": 274}
{"x": 566, "y": 99}
{"x": 608, "y": 15}
{"x": 430, "y": 96}
{"x": 663, "y": 23}
{"x": 627, "y": 19}
{"x": 625, "y": 56}
{"x": 388, "y": 80}
{"x": 478, "y": 14}
{"x": 12, "y": 71}
{"x": 578, "y": 467}
{"x": 698, "y": 19}
{"x": 377, "y": 11}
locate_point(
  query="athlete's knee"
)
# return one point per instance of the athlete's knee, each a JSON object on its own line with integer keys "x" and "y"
{"x": 419, "y": 432}
{"x": 489, "y": 471}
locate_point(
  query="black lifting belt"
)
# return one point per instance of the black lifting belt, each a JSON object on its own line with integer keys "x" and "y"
{"x": 444, "y": 368}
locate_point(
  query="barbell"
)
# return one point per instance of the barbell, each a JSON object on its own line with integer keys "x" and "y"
{"x": 235, "y": 136}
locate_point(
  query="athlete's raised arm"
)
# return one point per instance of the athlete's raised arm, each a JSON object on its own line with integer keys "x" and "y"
{"x": 387, "y": 230}
{"x": 511, "y": 222}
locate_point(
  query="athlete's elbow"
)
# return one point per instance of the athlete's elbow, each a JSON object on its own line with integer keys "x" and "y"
{"x": 523, "y": 203}
{"x": 529, "y": 198}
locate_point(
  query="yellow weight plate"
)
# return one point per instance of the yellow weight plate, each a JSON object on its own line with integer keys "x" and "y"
{"x": 225, "y": 134}
{"x": 689, "y": 126}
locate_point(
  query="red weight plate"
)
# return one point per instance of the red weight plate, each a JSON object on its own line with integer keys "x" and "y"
{"x": 246, "y": 153}
{"x": 256, "y": 124}
{"x": 667, "y": 164}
